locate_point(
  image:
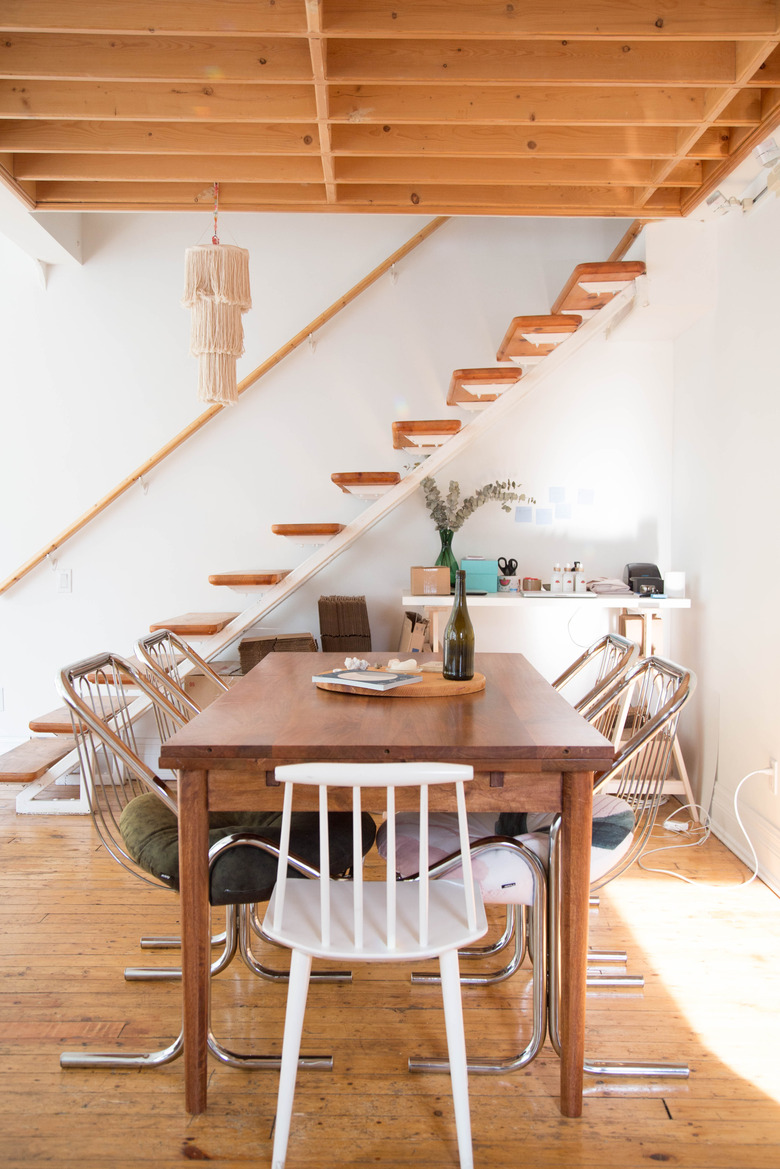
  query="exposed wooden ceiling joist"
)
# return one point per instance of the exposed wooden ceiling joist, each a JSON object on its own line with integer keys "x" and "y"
{"x": 633, "y": 108}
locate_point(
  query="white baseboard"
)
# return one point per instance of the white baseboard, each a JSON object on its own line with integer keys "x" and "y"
{"x": 764, "y": 835}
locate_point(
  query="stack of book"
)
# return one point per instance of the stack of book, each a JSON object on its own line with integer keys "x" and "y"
{"x": 344, "y": 624}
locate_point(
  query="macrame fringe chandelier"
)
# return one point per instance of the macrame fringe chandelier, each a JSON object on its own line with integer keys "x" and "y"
{"x": 216, "y": 289}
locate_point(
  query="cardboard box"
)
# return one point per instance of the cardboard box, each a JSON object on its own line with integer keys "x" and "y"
{"x": 430, "y": 581}
{"x": 630, "y": 625}
{"x": 480, "y": 574}
{"x": 414, "y": 634}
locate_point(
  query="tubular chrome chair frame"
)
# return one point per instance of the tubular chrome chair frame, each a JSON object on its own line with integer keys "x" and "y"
{"x": 538, "y": 948}
{"x": 657, "y": 690}
{"x": 616, "y": 655}
{"x": 96, "y": 692}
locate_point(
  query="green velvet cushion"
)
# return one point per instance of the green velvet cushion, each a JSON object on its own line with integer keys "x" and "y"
{"x": 150, "y": 831}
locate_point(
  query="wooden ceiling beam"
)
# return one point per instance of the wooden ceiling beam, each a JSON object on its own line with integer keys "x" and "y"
{"x": 159, "y": 168}
{"x": 478, "y": 141}
{"x": 172, "y": 168}
{"x": 177, "y": 197}
{"x": 566, "y": 18}
{"x": 471, "y": 104}
{"x": 543, "y": 200}
{"x": 178, "y": 17}
{"x": 127, "y": 58}
{"x": 156, "y": 138}
{"x": 158, "y": 101}
{"x": 670, "y": 63}
{"x": 516, "y": 172}
{"x": 529, "y": 105}
{"x": 318, "y": 65}
{"x": 692, "y": 19}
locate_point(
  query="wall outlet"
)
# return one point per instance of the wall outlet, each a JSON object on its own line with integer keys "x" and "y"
{"x": 64, "y": 581}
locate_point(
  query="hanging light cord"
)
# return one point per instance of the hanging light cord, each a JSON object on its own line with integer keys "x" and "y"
{"x": 215, "y": 237}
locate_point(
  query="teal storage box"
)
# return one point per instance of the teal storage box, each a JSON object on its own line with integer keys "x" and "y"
{"x": 481, "y": 575}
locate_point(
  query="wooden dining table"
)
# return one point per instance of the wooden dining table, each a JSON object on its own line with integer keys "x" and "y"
{"x": 530, "y": 751}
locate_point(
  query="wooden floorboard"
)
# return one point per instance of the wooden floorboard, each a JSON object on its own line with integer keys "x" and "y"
{"x": 70, "y": 921}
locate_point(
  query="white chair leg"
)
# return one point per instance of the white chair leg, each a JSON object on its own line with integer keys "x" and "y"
{"x": 297, "y": 990}
{"x": 456, "y": 1049}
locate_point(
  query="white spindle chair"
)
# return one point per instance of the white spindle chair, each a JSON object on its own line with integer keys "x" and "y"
{"x": 375, "y": 921}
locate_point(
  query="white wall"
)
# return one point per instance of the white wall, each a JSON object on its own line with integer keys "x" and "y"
{"x": 726, "y": 498}
{"x": 96, "y": 376}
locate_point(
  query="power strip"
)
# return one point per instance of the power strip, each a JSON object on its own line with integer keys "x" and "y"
{"x": 677, "y": 825}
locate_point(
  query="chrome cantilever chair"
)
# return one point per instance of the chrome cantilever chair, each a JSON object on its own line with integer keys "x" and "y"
{"x": 162, "y": 654}
{"x": 375, "y": 921}
{"x": 655, "y": 691}
{"x": 594, "y": 672}
{"x": 510, "y": 871}
{"x": 135, "y": 815}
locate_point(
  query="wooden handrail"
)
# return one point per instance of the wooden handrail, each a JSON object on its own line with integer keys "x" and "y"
{"x": 250, "y": 380}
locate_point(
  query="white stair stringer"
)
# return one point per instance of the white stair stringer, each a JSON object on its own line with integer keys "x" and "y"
{"x": 600, "y": 325}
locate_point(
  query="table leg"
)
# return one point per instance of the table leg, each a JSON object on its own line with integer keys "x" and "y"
{"x": 575, "y": 889}
{"x": 195, "y": 933}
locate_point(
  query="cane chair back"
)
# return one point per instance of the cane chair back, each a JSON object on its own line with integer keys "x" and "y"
{"x": 594, "y": 673}
{"x": 383, "y": 920}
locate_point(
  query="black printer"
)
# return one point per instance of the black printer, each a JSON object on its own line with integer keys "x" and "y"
{"x": 644, "y": 579}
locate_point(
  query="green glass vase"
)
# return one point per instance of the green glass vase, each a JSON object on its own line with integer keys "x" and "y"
{"x": 446, "y": 556}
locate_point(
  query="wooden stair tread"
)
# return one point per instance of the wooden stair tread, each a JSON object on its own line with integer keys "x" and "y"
{"x": 32, "y": 759}
{"x": 436, "y": 431}
{"x": 618, "y": 273}
{"x": 196, "y": 624}
{"x": 479, "y": 387}
{"x": 56, "y": 722}
{"x": 552, "y": 325}
{"x": 249, "y": 577}
{"x": 365, "y": 484}
{"x": 307, "y": 529}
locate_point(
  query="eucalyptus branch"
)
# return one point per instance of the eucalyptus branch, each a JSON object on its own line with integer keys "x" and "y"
{"x": 451, "y": 511}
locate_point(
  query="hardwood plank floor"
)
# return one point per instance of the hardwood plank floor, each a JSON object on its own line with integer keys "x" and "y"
{"x": 70, "y": 920}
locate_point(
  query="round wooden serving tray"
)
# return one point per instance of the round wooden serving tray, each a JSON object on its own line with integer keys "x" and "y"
{"x": 432, "y": 686}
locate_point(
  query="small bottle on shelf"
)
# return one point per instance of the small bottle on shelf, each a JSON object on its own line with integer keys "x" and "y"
{"x": 556, "y": 580}
{"x": 568, "y": 579}
{"x": 458, "y": 640}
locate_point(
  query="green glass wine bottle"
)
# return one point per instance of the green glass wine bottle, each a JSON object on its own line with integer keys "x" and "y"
{"x": 458, "y": 642}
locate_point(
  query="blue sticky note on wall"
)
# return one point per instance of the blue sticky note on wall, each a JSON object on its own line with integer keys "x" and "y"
{"x": 586, "y": 496}
{"x": 563, "y": 511}
{"x": 544, "y": 515}
{"x": 556, "y": 494}
{"x": 524, "y": 515}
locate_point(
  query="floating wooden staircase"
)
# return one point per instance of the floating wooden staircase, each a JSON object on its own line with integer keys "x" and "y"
{"x": 600, "y": 293}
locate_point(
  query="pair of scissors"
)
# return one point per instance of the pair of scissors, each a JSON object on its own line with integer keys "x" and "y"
{"x": 508, "y": 567}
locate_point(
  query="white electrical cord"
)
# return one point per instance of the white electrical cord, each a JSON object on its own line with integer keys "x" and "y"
{"x": 689, "y": 831}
